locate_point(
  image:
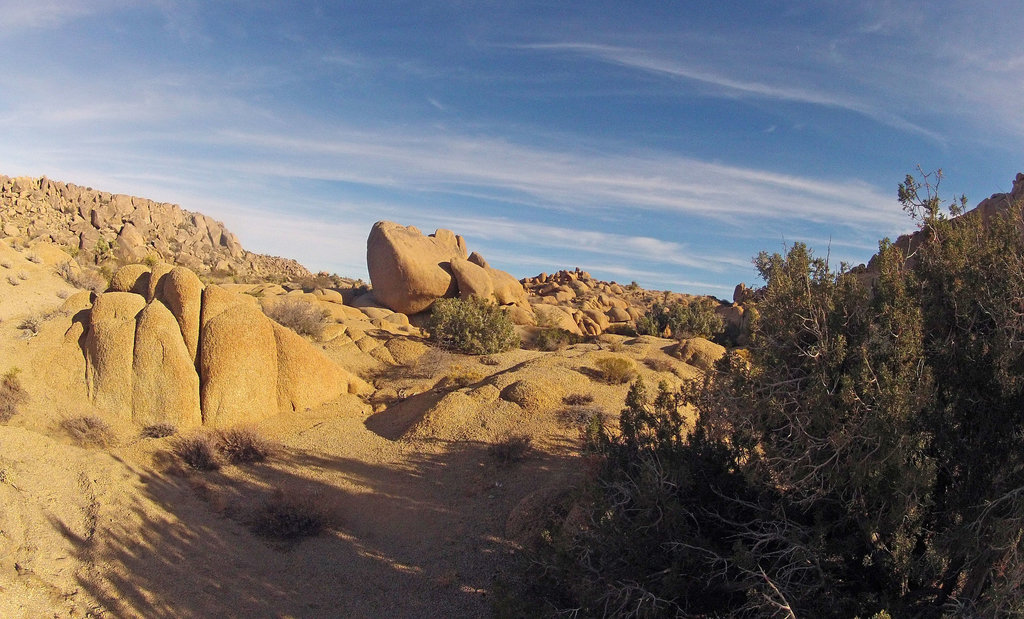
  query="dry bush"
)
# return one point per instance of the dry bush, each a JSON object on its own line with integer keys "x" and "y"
{"x": 488, "y": 360}
{"x": 159, "y": 430}
{"x": 12, "y": 395}
{"x": 288, "y": 516}
{"x": 510, "y": 448}
{"x": 300, "y": 316}
{"x": 82, "y": 279}
{"x": 578, "y": 399}
{"x": 12, "y": 280}
{"x": 459, "y": 377}
{"x": 63, "y": 294}
{"x": 582, "y": 416}
{"x": 660, "y": 365}
{"x": 244, "y": 444}
{"x": 31, "y": 323}
{"x": 616, "y": 370}
{"x": 88, "y": 430}
{"x": 22, "y": 275}
{"x": 198, "y": 451}
{"x": 5, "y": 263}
{"x": 34, "y": 259}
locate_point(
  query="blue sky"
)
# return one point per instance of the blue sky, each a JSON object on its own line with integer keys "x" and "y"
{"x": 662, "y": 142}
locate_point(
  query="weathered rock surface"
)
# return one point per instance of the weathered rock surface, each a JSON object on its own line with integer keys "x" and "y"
{"x": 109, "y": 351}
{"x": 101, "y": 225}
{"x": 409, "y": 271}
{"x": 165, "y": 384}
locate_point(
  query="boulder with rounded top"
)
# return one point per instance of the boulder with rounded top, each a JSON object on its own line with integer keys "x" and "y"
{"x": 182, "y": 292}
{"x": 165, "y": 384}
{"x": 109, "y": 349}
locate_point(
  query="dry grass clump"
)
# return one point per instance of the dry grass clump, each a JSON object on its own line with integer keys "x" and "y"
{"x": 488, "y": 360}
{"x": 582, "y": 416}
{"x": 32, "y": 324}
{"x": 88, "y": 430}
{"x": 660, "y": 365}
{"x": 244, "y": 444}
{"x": 12, "y": 280}
{"x": 616, "y": 370}
{"x": 510, "y": 448}
{"x": 5, "y": 263}
{"x": 198, "y": 451}
{"x": 300, "y": 316}
{"x": 289, "y": 515}
{"x": 82, "y": 279}
{"x": 578, "y": 399}
{"x": 12, "y": 394}
{"x": 459, "y": 377}
{"x": 159, "y": 430}
{"x": 34, "y": 259}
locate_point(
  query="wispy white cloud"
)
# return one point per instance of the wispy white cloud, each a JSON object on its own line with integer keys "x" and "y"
{"x": 645, "y": 60}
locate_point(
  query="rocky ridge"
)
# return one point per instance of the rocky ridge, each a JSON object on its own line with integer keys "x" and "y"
{"x": 101, "y": 227}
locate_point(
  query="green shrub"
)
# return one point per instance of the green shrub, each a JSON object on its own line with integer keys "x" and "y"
{"x": 697, "y": 318}
{"x": 473, "y": 326}
{"x": 616, "y": 370}
{"x": 555, "y": 338}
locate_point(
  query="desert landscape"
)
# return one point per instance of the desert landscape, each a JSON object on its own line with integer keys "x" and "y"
{"x": 427, "y": 469}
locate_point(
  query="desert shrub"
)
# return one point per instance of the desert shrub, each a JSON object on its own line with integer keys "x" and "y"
{"x": 31, "y": 324}
{"x": 5, "y": 263}
{"x": 198, "y": 451}
{"x": 659, "y": 364}
{"x": 159, "y": 430}
{"x": 82, "y": 279}
{"x": 34, "y": 259}
{"x": 869, "y": 455}
{"x": 555, "y": 338}
{"x": 697, "y": 318}
{"x": 300, "y": 316}
{"x": 12, "y": 394}
{"x": 459, "y": 377}
{"x": 289, "y": 516}
{"x": 22, "y": 275}
{"x": 473, "y": 326}
{"x": 615, "y": 370}
{"x": 510, "y": 448}
{"x": 14, "y": 281}
{"x": 244, "y": 444}
{"x": 488, "y": 360}
{"x": 88, "y": 430}
{"x": 578, "y": 399}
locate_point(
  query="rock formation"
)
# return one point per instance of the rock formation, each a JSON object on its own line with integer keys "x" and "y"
{"x": 99, "y": 226}
{"x": 193, "y": 355}
{"x": 409, "y": 271}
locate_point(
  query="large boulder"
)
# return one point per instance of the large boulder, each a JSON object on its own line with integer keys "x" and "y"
{"x": 472, "y": 279}
{"x": 237, "y": 366}
{"x": 305, "y": 376}
{"x": 408, "y": 270}
{"x": 109, "y": 351}
{"x": 182, "y": 292}
{"x": 699, "y": 352}
{"x": 131, "y": 278}
{"x": 165, "y": 385}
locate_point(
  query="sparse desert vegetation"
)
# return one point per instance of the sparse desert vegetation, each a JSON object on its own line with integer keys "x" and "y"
{"x": 474, "y": 326}
{"x": 88, "y": 430}
{"x": 615, "y": 370}
{"x": 12, "y": 394}
{"x": 289, "y": 515}
{"x": 244, "y": 444}
{"x": 300, "y": 316}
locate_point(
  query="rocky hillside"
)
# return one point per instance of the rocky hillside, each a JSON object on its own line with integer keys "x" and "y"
{"x": 101, "y": 227}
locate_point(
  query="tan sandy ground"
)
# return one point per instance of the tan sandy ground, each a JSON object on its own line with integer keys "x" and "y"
{"x": 417, "y": 504}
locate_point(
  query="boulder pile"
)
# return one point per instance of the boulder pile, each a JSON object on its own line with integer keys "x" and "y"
{"x": 160, "y": 347}
{"x": 410, "y": 270}
{"x": 100, "y": 225}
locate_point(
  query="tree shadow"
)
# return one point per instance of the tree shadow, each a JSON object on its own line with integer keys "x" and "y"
{"x": 424, "y": 537}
